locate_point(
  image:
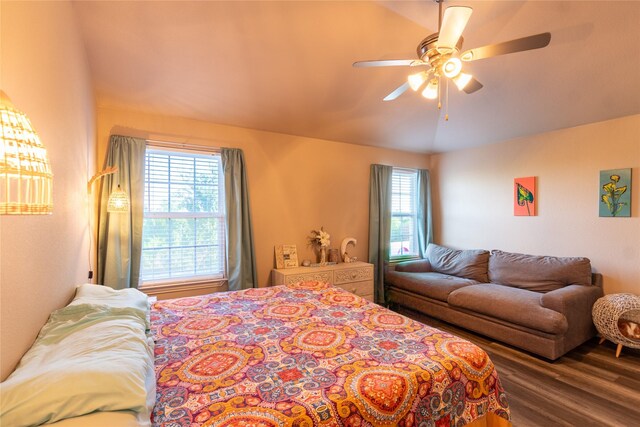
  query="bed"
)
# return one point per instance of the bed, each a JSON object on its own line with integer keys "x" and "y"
{"x": 309, "y": 354}
{"x": 306, "y": 354}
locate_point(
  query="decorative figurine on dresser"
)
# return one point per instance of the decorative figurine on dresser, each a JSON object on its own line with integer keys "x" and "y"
{"x": 343, "y": 249}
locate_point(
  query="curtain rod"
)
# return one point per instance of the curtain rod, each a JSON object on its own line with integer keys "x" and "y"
{"x": 185, "y": 146}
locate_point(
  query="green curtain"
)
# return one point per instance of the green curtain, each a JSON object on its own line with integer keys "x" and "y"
{"x": 425, "y": 227}
{"x": 120, "y": 234}
{"x": 241, "y": 262}
{"x": 379, "y": 225}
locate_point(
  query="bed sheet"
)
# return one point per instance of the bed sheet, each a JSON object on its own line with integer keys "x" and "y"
{"x": 309, "y": 354}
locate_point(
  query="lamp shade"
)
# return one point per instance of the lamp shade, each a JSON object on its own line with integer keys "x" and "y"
{"x": 431, "y": 91}
{"x": 26, "y": 181}
{"x": 417, "y": 80}
{"x": 118, "y": 201}
{"x": 452, "y": 67}
{"x": 462, "y": 80}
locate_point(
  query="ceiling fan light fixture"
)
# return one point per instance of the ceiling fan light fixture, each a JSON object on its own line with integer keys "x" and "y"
{"x": 442, "y": 53}
{"x": 416, "y": 80}
{"x": 431, "y": 91}
{"x": 452, "y": 67}
{"x": 462, "y": 80}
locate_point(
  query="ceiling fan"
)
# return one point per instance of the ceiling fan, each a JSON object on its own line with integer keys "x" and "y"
{"x": 441, "y": 53}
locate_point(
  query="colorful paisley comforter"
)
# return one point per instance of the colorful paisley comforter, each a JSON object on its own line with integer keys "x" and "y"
{"x": 309, "y": 354}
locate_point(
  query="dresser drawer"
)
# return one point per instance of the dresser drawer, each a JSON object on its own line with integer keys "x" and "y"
{"x": 334, "y": 274}
{"x": 359, "y": 288}
{"x": 353, "y": 275}
{"x": 319, "y": 276}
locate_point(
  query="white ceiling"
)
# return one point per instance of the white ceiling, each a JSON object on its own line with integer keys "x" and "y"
{"x": 286, "y": 67}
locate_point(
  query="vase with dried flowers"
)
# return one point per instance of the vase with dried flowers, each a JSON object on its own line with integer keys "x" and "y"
{"x": 319, "y": 239}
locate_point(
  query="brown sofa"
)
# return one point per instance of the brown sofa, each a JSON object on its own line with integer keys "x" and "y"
{"x": 541, "y": 304}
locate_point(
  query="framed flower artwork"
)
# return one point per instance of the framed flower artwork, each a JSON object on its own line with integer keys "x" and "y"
{"x": 615, "y": 193}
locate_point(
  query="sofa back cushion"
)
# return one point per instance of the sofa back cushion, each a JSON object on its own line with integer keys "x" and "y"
{"x": 470, "y": 264}
{"x": 538, "y": 273}
{"x": 414, "y": 266}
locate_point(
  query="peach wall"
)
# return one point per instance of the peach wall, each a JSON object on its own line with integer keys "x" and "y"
{"x": 473, "y": 198}
{"x": 295, "y": 184}
{"x": 44, "y": 71}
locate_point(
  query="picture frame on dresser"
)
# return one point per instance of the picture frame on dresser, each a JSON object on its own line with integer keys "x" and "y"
{"x": 286, "y": 256}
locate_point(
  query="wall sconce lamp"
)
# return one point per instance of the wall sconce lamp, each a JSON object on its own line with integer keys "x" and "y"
{"x": 118, "y": 199}
{"x": 26, "y": 181}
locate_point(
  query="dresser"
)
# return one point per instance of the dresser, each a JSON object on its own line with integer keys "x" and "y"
{"x": 355, "y": 277}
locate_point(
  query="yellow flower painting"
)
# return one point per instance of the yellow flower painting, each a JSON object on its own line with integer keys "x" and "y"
{"x": 615, "y": 193}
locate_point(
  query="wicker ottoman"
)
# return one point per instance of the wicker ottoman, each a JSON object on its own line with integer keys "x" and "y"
{"x": 610, "y": 309}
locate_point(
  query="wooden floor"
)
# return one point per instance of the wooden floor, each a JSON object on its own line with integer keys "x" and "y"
{"x": 586, "y": 387}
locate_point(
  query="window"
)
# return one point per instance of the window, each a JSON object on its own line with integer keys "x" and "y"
{"x": 183, "y": 234}
{"x": 404, "y": 214}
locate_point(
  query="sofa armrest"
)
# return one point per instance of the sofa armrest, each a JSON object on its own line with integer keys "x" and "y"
{"x": 575, "y": 302}
{"x": 596, "y": 279}
{"x": 572, "y": 300}
{"x": 414, "y": 266}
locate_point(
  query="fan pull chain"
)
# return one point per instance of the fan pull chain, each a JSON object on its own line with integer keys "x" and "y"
{"x": 446, "y": 107}
{"x": 439, "y": 94}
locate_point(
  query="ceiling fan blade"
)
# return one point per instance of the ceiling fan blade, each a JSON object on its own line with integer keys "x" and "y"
{"x": 518, "y": 45}
{"x": 396, "y": 93}
{"x": 385, "y": 63}
{"x": 473, "y": 86}
{"x": 454, "y": 20}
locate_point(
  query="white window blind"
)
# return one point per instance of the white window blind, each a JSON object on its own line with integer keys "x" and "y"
{"x": 404, "y": 213}
{"x": 184, "y": 226}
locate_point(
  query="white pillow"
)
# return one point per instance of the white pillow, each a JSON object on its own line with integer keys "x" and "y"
{"x": 88, "y": 293}
{"x": 104, "y": 295}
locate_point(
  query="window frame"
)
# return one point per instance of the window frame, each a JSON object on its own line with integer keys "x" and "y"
{"x": 415, "y": 215}
{"x": 195, "y": 281}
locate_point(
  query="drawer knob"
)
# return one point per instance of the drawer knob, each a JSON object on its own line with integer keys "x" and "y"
{"x": 353, "y": 291}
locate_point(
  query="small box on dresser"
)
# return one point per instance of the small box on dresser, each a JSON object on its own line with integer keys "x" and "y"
{"x": 355, "y": 277}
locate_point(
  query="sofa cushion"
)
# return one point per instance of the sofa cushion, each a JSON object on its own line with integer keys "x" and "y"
{"x": 414, "y": 266}
{"x": 538, "y": 273}
{"x": 470, "y": 264}
{"x": 513, "y": 305}
{"x": 432, "y": 285}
